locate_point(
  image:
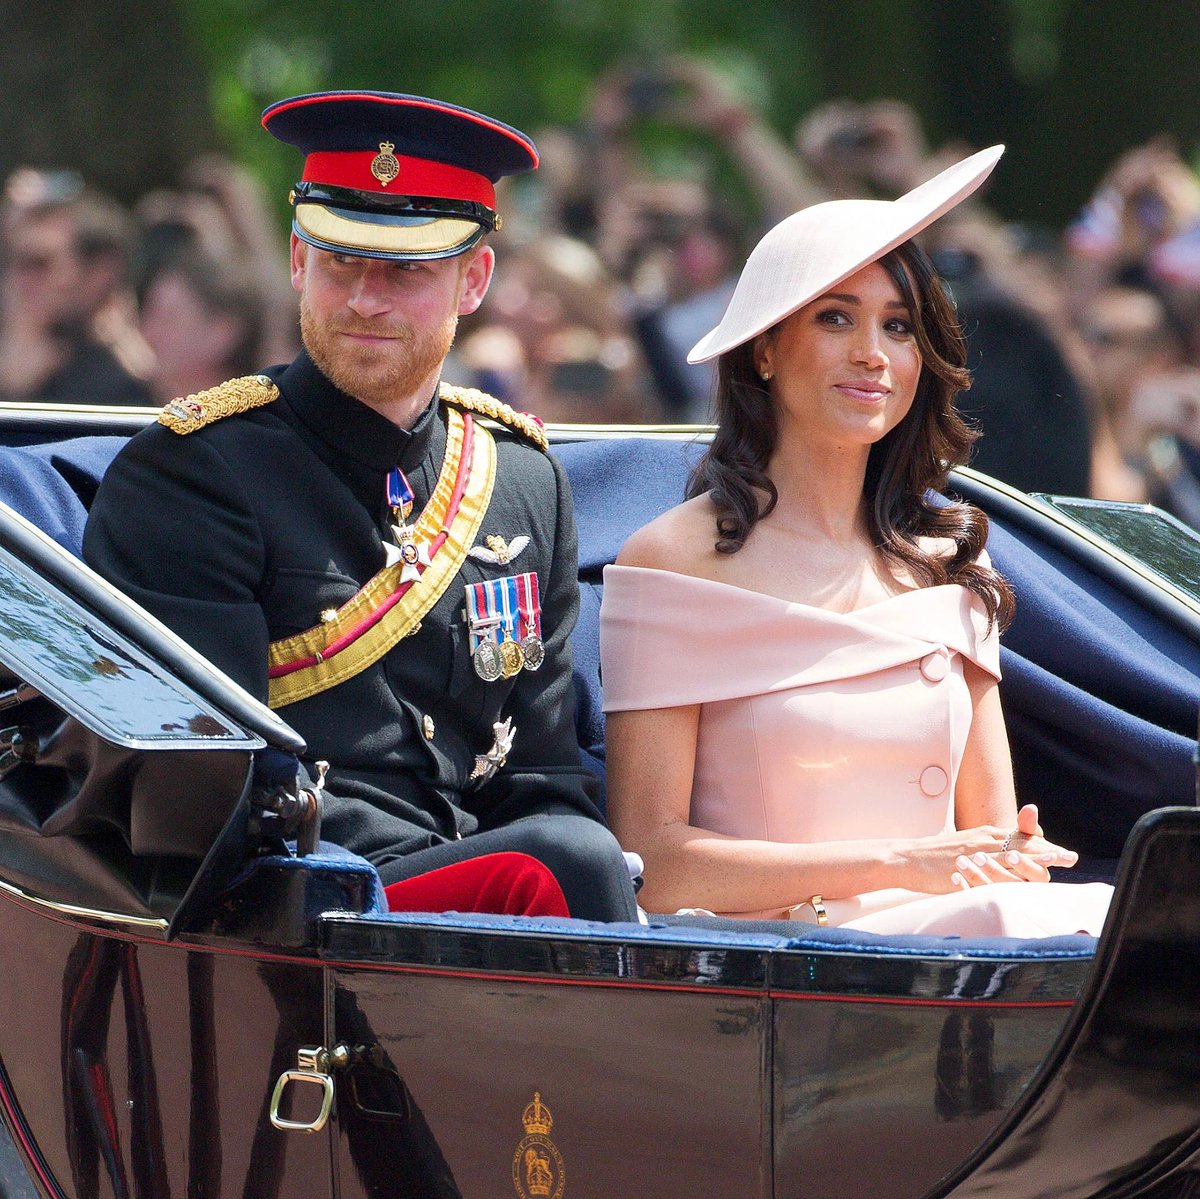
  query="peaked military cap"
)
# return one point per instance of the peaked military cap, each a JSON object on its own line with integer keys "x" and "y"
{"x": 394, "y": 176}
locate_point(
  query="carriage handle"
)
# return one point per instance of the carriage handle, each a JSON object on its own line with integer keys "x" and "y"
{"x": 313, "y": 1063}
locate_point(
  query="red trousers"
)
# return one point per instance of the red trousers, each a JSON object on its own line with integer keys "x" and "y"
{"x": 512, "y": 884}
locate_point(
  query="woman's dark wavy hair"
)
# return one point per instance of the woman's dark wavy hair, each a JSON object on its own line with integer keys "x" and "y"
{"x": 914, "y": 459}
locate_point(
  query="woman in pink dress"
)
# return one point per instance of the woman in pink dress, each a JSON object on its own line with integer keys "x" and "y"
{"x": 801, "y": 661}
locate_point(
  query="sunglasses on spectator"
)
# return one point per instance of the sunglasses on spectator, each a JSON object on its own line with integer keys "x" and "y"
{"x": 1112, "y": 338}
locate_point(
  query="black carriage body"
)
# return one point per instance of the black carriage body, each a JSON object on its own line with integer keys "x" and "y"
{"x": 160, "y": 1008}
{"x": 690, "y": 1060}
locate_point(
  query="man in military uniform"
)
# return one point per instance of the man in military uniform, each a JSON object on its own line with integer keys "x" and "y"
{"x": 387, "y": 560}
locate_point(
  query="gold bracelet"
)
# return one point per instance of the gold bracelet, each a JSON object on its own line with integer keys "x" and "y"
{"x": 818, "y": 906}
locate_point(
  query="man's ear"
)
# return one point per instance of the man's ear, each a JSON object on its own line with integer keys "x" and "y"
{"x": 299, "y": 262}
{"x": 476, "y": 278}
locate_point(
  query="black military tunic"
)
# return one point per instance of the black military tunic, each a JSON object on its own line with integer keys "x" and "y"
{"x": 249, "y": 529}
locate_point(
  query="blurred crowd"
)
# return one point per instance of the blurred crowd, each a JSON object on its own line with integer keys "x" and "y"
{"x": 103, "y": 305}
{"x": 623, "y": 249}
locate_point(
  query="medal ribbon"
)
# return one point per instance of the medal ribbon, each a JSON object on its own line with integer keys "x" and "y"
{"x": 507, "y": 588}
{"x": 492, "y": 609}
{"x": 529, "y": 604}
{"x": 399, "y": 493}
{"x": 387, "y": 610}
{"x": 482, "y": 617}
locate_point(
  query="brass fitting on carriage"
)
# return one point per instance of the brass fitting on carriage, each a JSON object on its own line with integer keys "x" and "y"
{"x": 314, "y": 1066}
{"x": 293, "y": 811}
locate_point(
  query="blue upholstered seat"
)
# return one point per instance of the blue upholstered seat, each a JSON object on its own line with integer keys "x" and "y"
{"x": 1101, "y": 696}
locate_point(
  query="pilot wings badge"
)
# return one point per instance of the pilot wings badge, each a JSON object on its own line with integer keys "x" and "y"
{"x": 538, "y": 1171}
{"x": 497, "y": 551}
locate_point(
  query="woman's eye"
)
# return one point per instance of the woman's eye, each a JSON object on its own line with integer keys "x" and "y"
{"x": 834, "y": 317}
{"x": 899, "y": 328}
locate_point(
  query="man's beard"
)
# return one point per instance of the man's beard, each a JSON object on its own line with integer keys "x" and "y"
{"x": 379, "y": 376}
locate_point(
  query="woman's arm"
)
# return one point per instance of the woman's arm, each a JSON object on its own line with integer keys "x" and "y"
{"x": 651, "y": 756}
{"x": 985, "y": 794}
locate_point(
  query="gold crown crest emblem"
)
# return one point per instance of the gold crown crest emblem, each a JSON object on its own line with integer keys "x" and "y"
{"x": 536, "y": 1117}
{"x": 385, "y": 166}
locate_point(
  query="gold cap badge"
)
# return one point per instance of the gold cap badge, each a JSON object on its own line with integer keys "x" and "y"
{"x": 385, "y": 166}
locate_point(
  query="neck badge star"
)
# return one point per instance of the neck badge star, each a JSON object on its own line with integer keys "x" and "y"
{"x": 409, "y": 551}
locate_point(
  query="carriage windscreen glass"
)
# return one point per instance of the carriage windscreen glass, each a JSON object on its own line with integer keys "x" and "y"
{"x": 1160, "y": 541}
{"x": 102, "y": 678}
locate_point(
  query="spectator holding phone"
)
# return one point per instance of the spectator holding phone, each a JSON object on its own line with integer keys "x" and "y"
{"x": 1137, "y": 225}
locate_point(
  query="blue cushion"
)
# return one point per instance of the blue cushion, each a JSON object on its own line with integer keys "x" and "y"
{"x": 618, "y": 486}
{"x": 737, "y": 934}
{"x": 1100, "y": 695}
{"x": 52, "y": 485}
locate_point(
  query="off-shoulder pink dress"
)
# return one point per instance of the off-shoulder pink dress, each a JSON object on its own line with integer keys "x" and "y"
{"x": 826, "y": 726}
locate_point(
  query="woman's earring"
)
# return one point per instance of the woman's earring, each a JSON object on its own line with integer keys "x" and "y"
{"x": 765, "y": 376}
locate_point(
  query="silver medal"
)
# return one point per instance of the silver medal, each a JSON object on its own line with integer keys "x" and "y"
{"x": 487, "y": 660}
{"x": 535, "y": 651}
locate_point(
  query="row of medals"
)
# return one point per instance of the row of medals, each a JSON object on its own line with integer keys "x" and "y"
{"x": 492, "y": 659}
{"x": 506, "y": 659}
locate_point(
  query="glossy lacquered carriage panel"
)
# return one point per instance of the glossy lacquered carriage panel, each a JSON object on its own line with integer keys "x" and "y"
{"x": 902, "y": 1089}
{"x": 144, "y": 1068}
{"x": 652, "y": 1091}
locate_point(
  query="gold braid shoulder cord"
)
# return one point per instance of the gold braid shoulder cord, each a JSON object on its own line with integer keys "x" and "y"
{"x": 492, "y": 409}
{"x": 193, "y": 412}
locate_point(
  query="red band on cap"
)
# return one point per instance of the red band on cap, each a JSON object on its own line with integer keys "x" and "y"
{"x": 417, "y": 177}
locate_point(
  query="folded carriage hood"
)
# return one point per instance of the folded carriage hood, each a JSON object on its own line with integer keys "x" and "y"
{"x": 133, "y": 756}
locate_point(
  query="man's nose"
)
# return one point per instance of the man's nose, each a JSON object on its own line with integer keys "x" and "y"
{"x": 370, "y": 293}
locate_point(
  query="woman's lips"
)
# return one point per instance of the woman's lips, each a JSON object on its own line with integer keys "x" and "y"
{"x": 864, "y": 389}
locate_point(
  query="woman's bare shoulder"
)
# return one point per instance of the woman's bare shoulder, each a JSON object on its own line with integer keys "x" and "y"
{"x": 937, "y": 547}
{"x": 945, "y": 548}
{"x": 676, "y": 540}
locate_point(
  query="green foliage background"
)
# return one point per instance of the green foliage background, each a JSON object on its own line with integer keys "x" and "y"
{"x": 1066, "y": 83}
{"x": 128, "y": 90}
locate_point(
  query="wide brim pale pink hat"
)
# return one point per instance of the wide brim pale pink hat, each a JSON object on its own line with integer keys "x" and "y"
{"x": 816, "y": 248}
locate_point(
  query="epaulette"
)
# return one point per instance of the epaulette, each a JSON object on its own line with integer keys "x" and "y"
{"x": 493, "y": 409}
{"x": 193, "y": 412}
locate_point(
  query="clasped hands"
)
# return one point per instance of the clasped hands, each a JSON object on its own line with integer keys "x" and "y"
{"x": 1024, "y": 856}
